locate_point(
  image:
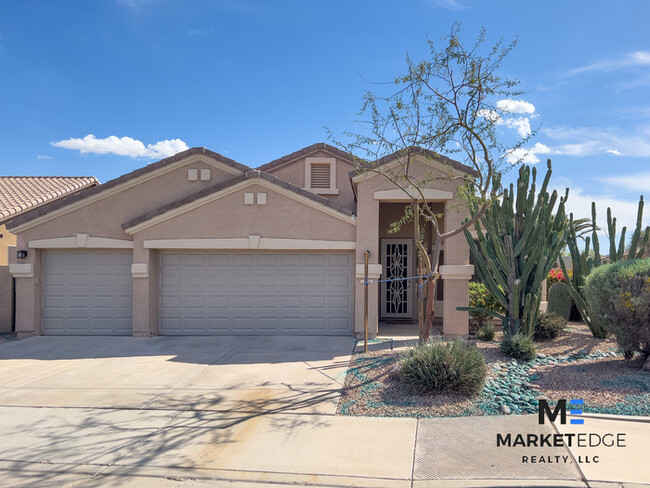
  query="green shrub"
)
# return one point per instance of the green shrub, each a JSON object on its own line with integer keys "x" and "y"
{"x": 618, "y": 297}
{"x": 480, "y": 297}
{"x": 518, "y": 346}
{"x": 486, "y": 333}
{"x": 444, "y": 366}
{"x": 549, "y": 326}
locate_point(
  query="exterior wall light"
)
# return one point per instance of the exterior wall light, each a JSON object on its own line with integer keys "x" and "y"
{"x": 22, "y": 254}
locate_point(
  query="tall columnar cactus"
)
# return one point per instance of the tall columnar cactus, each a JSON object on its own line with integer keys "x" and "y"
{"x": 559, "y": 300}
{"x": 584, "y": 262}
{"x": 519, "y": 238}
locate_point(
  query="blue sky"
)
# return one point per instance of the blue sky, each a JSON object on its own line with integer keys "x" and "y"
{"x": 255, "y": 80}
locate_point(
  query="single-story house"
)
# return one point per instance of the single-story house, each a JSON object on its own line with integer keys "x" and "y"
{"x": 19, "y": 194}
{"x": 199, "y": 244}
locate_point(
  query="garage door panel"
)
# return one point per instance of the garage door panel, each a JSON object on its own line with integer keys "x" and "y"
{"x": 87, "y": 293}
{"x": 256, "y": 292}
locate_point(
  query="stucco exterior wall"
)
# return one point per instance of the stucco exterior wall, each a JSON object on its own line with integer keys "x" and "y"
{"x": 104, "y": 218}
{"x": 456, "y": 248}
{"x": 228, "y": 217}
{"x": 7, "y": 241}
{"x": 294, "y": 172}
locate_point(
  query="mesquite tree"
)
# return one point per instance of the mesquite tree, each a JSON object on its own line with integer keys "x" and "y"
{"x": 519, "y": 239}
{"x": 447, "y": 104}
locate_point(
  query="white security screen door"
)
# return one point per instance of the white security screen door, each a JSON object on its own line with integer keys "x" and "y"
{"x": 396, "y": 299}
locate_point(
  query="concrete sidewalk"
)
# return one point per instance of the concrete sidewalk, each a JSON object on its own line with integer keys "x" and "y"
{"x": 68, "y": 447}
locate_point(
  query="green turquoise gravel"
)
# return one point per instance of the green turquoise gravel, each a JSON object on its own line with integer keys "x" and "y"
{"x": 510, "y": 389}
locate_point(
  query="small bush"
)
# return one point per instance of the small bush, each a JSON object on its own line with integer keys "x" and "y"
{"x": 485, "y": 333}
{"x": 554, "y": 276}
{"x": 548, "y": 326}
{"x": 618, "y": 296}
{"x": 480, "y": 297}
{"x": 518, "y": 346}
{"x": 444, "y": 366}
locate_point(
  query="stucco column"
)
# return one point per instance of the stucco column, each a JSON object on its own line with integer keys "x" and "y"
{"x": 28, "y": 290}
{"x": 456, "y": 286}
{"x": 367, "y": 239}
{"x": 145, "y": 290}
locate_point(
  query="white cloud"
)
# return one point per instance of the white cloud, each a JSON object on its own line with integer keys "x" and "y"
{"x": 508, "y": 106}
{"x": 516, "y": 106}
{"x": 587, "y": 141}
{"x": 520, "y": 124}
{"x": 614, "y": 152}
{"x": 629, "y": 60}
{"x": 528, "y": 156}
{"x": 633, "y": 182}
{"x": 579, "y": 203}
{"x": 40, "y": 156}
{"x": 123, "y": 146}
{"x": 491, "y": 115}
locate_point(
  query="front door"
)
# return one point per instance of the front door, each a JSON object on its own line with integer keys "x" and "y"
{"x": 396, "y": 299}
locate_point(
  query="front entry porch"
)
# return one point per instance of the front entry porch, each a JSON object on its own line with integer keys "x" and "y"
{"x": 392, "y": 294}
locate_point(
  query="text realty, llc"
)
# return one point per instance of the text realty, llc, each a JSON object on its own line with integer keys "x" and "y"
{"x": 569, "y": 439}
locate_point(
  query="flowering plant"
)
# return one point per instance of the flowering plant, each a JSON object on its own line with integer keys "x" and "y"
{"x": 554, "y": 276}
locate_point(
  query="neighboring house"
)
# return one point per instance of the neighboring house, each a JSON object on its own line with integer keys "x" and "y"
{"x": 199, "y": 244}
{"x": 18, "y": 194}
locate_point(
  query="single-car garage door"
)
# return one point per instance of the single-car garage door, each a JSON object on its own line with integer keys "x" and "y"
{"x": 256, "y": 293}
{"x": 87, "y": 293}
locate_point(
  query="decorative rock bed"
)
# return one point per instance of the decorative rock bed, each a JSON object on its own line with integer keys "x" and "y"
{"x": 373, "y": 389}
{"x": 512, "y": 390}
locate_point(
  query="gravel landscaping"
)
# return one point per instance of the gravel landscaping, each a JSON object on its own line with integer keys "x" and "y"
{"x": 573, "y": 366}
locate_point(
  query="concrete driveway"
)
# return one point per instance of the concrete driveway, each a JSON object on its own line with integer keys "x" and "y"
{"x": 233, "y": 374}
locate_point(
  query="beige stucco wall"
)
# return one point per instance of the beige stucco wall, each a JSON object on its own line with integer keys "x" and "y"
{"x": 228, "y": 217}
{"x": 7, "y": 241}
{"x": 104, "y": 218}
{"x": 294, "y": 172}
{"x": 456, "y": 248}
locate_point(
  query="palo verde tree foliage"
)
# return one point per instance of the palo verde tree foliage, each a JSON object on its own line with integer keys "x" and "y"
{"x": 445, "y": 104}
{"x": 519, "y": 239}
{"x": 584, "y": 262}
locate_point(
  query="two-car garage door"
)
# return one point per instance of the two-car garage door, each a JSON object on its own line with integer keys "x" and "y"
{"x": 89, "y": 292}
{"x": 256, "y": 293}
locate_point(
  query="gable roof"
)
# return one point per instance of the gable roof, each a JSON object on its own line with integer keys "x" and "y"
{"x": 20, "y": 193}
{"x": 305, "y": 151}
{"x": 249, "y": 175}
{"x": 87, "y": 192}
{"x": 463, "y": 168}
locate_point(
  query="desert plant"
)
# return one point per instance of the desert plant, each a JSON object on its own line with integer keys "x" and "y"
{"x": 518, "y": 346}
{"x": 485, "y": 333}
{"x": 559, "y": 300}
{"x": 480, "y": 298}
{"x": 618, "y": 296}
{"x": 584, "y": 262}
{"x": 548, "y": 326}
{"x": 519, "y": 239}
{"x": 444, "y": 366}
{"x": 554, "y": 276}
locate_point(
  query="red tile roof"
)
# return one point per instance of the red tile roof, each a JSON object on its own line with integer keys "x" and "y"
{"x": 20, "y": 193}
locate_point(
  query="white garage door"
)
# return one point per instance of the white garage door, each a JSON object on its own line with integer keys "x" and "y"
{"x": 256, "y": 293}
{"x": 87, "y": 293}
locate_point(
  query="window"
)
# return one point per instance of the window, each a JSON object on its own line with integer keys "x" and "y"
{"x": 320, "y": 176}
